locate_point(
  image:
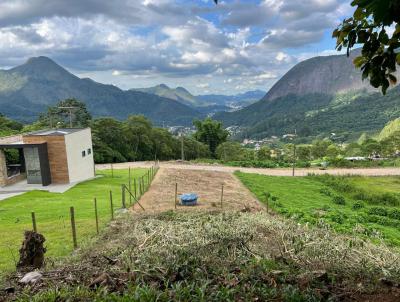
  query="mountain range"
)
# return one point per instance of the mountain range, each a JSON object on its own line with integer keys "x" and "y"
{"x": 318, "y": 97}
{"x": 28, "y": 89}
{"x": 206, "y": 102}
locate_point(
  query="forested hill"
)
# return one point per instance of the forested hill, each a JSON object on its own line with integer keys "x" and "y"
{"x": 28, "y": 89}
{"x": 319, "y": 96}
{"x": 224, "y": 102}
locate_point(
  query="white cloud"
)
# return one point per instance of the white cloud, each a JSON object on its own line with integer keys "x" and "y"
{"x": 240, "y": 44}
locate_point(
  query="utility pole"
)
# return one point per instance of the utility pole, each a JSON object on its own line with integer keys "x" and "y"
{"x": 294, "y": 153}
{"x": 182, "y": 151}
{"x": 70, "y": 113}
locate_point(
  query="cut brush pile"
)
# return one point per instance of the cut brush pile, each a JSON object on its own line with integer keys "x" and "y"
{"x": 219, "y": 256}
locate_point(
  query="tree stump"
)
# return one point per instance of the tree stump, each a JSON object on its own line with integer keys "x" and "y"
{"x": 31, "y": 253}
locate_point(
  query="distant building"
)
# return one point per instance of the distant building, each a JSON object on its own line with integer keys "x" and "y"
{"x": 58, "y": 156}
{"x": 289, "y": 135}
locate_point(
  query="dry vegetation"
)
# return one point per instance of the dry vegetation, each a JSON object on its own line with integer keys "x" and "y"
{"x": 219, "y": 256}
{"x": 207, "y": 253}
{"x": 208, "y": 186}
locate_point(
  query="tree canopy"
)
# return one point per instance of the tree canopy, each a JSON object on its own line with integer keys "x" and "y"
{"x": 59, "y": 115}
{"x": 211, "y": 133}
{"x": 370, "y": 27}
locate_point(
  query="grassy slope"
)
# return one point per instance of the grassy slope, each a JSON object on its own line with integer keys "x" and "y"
{"x": 301, "y": 198}
{"x": 52, "y": 214}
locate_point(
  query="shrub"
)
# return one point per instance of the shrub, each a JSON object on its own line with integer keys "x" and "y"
{"x": 394, "y": 214}
{"x": 326, "y": 208}
{"x": 339, "y": 200}
{"x": 379, "y": 211}
{"x": 358, "y": 205}
{"x": 326, "y": 192}
{"x": 337, "y": 217}
{"x": 384, "y": 221}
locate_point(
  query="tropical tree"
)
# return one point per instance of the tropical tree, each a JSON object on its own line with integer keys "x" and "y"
{"x": 109, "y": 144}
{"x": 137, "y": 132}
{"x": 319, "y": 148}
{"x": 370, "y": 27}
{"x": 211, "y": 133}
{"x": 65, "y": 113}
{"x": 264, "y": 153}
{"x": 230, "y": 151}
{"x": 303, "y": 152}
{"x": 8, "y": 126}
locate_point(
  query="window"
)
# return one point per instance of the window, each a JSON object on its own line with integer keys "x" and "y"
{"x": 83, "y": 153}
{"x": 89, "y": 151}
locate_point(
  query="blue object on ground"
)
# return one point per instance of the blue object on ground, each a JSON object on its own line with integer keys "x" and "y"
{"x": 189, "y": 199}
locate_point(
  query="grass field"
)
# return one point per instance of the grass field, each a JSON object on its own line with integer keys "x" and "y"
{"x": 53, "y": 216}
{"x": 367, "y": 206}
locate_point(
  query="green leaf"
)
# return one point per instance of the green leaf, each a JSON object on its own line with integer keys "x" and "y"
{"x": 398, "y": 58}
{"x": 359, "y": 61}
{"x": 359, "y": 13}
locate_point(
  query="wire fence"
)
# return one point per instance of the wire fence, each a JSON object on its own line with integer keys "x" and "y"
{"x": 80, "y": 225}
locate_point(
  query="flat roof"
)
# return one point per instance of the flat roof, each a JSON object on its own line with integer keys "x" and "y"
{"x": 54, "y": 132}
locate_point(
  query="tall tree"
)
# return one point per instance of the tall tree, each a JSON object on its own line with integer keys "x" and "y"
{"x": 66, "y": 112}
{"x": 109, "y": 144}
{"x": 211, "y": 133}
{"x": 369, "y": 27}
{"x": 137, "y": 131}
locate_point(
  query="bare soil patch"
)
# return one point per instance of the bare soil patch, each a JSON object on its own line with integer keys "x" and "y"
{"x": 206, "y": 184}
{"x": 271, "y": 172}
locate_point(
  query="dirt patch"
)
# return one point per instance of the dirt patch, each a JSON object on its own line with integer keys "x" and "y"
{"x": 206, "y": 184}
{"x": 270, "y": 172}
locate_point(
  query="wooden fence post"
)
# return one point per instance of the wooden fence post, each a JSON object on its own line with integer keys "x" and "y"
{"x": 176, "y": 194}
{"x": 134, "y": 186}
{"x": 130, "y": 186}
{"x": 267, "y": 200}
{"x": 111, "y": 205}
{"x": 222, "y": 194}
{"x": 123, "y": 196}
{"x": 34, "y": 222}
{"x": 72, "y": 212}
{"x": 96, "y": 215}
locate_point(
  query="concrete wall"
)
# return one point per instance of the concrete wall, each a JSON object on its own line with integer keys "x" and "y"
{"x": 11, "y": 139}
{"x": 57, "y": 155}
{"x": 80, "y": 167}
{"x": 3, "y": 169}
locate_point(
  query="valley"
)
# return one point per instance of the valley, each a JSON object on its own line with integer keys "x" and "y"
{"x": 168, "y": 150}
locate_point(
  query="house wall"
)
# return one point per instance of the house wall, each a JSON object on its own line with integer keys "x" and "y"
{"x": 80, "y": 167}
{"x": 57, "y": 156}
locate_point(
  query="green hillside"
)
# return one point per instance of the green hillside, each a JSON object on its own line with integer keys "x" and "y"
{"x": 318, "y": 114}
{"x": 179, "y": 94}
{"x": 317, "y": 97}
{"x": 28, "y": 89}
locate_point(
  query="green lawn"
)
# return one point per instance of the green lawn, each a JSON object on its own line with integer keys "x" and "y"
{"x": 371, "y": 209}
{"x": 53, "y": 214}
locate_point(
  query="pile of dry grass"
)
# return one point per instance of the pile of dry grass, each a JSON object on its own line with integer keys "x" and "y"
{"x": 251, "y": 254}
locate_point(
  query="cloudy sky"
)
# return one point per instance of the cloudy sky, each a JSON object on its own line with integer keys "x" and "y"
{"x": 229, "y": 48}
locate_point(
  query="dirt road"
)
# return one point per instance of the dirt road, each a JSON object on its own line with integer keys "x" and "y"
{"x": 206, "y": 184}
{"x": 271, "y": 172}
